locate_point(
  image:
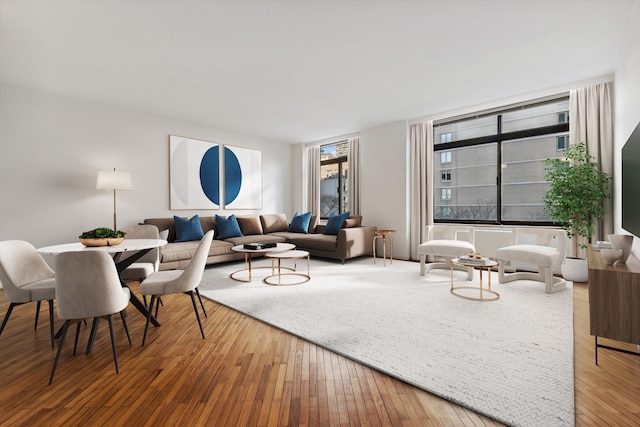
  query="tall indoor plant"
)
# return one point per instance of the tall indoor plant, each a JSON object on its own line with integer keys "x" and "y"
{"x": 574, "y": 199}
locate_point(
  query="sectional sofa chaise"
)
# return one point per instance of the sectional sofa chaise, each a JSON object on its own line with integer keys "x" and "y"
{"x": 352, "y": 239}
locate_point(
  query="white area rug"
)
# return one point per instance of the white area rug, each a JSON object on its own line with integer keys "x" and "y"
{"x": 510, "y": 359}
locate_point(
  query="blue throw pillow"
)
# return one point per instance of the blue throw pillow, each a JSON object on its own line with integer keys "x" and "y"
{"x": 228, "y": 227}
{"x": 300, "y": 223}
{"x": 335, "y": 222}
{"x": 188, "y": 229}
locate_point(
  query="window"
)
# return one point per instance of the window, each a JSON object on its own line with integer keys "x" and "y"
{"x": 497, "y": 159}
{"x": 333, "y": 178}
{"x": 445, "y": 157}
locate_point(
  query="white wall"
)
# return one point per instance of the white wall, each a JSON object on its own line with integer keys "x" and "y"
{"x": 384, "y": 182}
{"x": 627, "y": 107}
{"x": 52, "y": 148}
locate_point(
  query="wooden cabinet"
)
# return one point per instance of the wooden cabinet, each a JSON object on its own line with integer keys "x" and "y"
{"x": 614, "y": 301}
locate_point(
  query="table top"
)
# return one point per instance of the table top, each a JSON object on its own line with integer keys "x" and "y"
{"x": 487, "y": 263}
{"x": 126, "y": 245}
{"x": 280, "y": 247}
{"x": 288, "y": 254}
{"x": 383, "y": 232}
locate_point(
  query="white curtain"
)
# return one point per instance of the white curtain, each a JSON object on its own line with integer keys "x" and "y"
{"x": 421, "y": 146}
{"x": 591, "y": 113}
{"x": 313, "y": 180}
{"x": 353, "y": 177}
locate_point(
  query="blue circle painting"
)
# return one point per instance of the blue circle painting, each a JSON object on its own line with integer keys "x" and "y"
{"x": 233, "y": 176}
{"x": 209, "y": 176}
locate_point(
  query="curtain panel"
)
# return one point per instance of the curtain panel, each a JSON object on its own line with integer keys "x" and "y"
{"x": 353, "y": 177}
{"x": 591, "y": 112}
{"x": 421, "y": 184}
{"x": 313, "y": 180}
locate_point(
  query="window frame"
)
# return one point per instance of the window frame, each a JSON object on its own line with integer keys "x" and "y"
{"x": 340, "y": 161}
{"x": 498, "y": 139}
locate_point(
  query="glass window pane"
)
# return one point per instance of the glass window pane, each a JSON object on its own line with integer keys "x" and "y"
{"x": 465, "y": 129}
{"x": 345, "y": 185}
{"x": 537, "y": 116}
{"x": 523, "y": 183}
{"x": 329, "y": 201}
{"x": 473, "y": 191}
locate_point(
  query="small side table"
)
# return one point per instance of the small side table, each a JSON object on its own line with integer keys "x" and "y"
{"x": 493, "y": 295}
{"x": 383, "y": 234}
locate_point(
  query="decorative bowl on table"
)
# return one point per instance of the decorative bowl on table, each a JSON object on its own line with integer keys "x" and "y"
{"x": 610, "y": 256}
{"x": 101, "y": 237}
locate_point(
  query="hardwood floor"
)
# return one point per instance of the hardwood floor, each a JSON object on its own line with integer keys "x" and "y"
{"x": 249, "y": 373}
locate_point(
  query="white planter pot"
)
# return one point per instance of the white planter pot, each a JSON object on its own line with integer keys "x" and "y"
{"x": 575, "y": 269}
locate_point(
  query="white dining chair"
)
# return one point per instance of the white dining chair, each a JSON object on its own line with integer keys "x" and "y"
{"x": 88, "y": 286}
{"x": 178, "y": 281}
{"x": 26, "y": 277}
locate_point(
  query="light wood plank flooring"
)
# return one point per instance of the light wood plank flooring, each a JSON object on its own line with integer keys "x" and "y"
{"x": 249, "y": 373}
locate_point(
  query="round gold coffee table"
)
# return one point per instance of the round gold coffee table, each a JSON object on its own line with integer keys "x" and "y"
{"x": 280, "y": 247}
{"x": 294, "y": 255}
{"x": 486, "y": 265}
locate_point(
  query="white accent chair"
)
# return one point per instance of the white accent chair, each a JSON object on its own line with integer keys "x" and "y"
{"x": 88, "y": 286}
{"x": 149, "y": 262}
{"x": 447, "y": 242}
{"x": 543, "y": 247}
{"x": 26, "y": 277}
{"x": 179, "y": 281}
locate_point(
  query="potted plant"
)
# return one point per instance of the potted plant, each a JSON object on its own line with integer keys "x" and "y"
{"x": 101, "y": 236}
{"x": 574, "y": 199}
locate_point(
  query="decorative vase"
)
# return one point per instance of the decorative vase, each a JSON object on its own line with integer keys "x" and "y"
{"x": 575, "y": 269}
{"x": 611, "y": 255}
{"x": 102, "y": 242}
{"x": 621, "y": 241}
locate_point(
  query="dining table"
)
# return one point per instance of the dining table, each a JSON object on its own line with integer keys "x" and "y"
{"x": 137, "y": 247}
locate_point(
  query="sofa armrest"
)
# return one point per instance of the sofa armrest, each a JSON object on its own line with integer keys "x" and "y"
{"x": 355, "y": 241}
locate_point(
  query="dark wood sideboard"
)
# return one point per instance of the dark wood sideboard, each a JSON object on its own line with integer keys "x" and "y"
{"x": 614, "y": 301}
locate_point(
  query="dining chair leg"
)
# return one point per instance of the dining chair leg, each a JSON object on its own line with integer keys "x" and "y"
{"x": 51, "y": 323}
{"x": 195, "y": 309}
{"x": 113, "y": 342}
{"x": 6, "y": 316}
{"x": 75, "y": 343}
{"x": 201, "y": 304}
{"x": 146, "y": 326}
{"x": 55, "y": 362}
{"x": 35, "y": 324}
{"x": 92, "y": 335}
{"x": 123, "y": 316}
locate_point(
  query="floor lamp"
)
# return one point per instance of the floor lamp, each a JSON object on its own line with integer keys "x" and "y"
{"x": 112, "y": 180}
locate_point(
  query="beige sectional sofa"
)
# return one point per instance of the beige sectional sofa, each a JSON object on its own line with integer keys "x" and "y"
{"x": 353, "y": 239}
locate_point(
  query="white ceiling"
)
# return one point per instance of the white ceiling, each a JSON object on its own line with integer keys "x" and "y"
{"x": 300, "y": 71}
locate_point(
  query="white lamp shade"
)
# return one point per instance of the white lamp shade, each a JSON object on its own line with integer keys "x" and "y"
{"x": 114, "y": 180}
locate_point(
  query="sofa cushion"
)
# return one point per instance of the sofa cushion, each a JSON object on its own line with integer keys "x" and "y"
{"x": 250, "y": 225}
{"x": 227, "y": 227}
{"x": 164, "y": 224}
{"x": 354, "y": 221}
{"x": 188, "y": 229}
{"x": 180, "y": 251}
{"x": 300, "y": 223}
{"x": 334, "y": 223}
{"x": 272, "y": 223}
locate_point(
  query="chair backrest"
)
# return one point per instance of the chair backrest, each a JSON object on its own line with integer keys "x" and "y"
{"x": 192, "y": 275}
{"x": 552, "y": 237}
{"x": 87, "y": 285}
{"x": 143, "y": 231}
{"x": 451, "y": 232}
{"x": 21, "y": 264}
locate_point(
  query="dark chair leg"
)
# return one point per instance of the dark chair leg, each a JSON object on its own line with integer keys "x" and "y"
{"x": 92, "y": 335}
{"x": 201, "y": 304}
{"x": 195, "y": 309}
{"x": 35, "y": 324}
{"x": 51, "y": 323}
{"x": 55, "y": 362}
{"x": 75, "y": 343}
{"x": 113, "y": 342}
{"x": 146, "y": 326}
{"x": 6, "y": 316}
{"x": 123, "y": 316}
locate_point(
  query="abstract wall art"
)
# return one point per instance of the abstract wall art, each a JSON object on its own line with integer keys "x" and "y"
{"x": 242, "y": 178}
{"x": 194, "y": 170}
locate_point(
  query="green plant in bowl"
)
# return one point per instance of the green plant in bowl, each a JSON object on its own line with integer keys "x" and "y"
{"x": 101, "y": 233}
